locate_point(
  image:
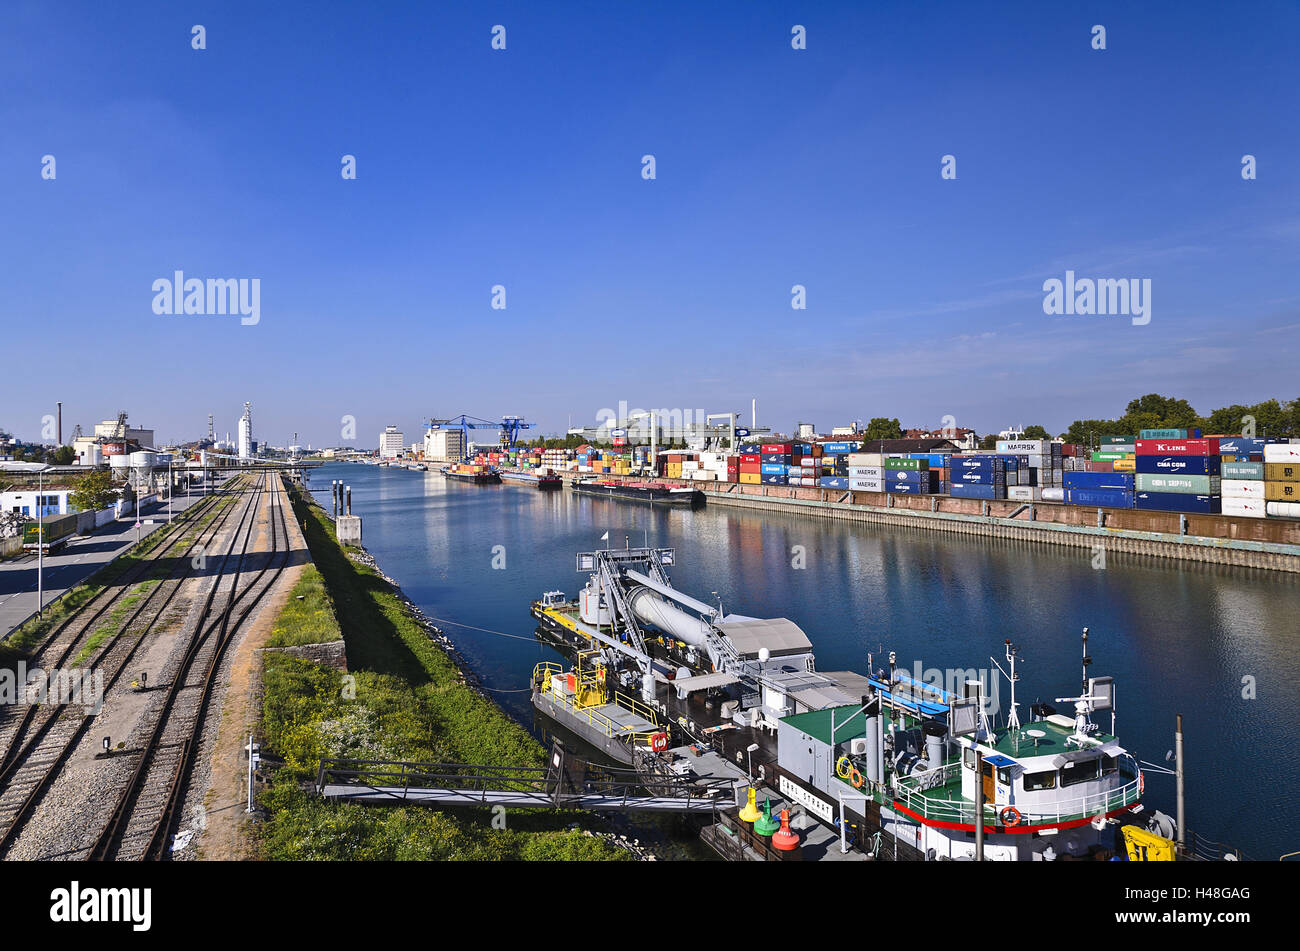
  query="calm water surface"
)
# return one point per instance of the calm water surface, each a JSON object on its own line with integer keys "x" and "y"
{"x": 1177, "y": 638}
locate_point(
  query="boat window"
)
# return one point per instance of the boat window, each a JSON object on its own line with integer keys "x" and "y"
{"x": 1128, "y": 767}
{"x": 1004, "y": 776}
{"x": 968, "y": 757}
{"x": 1043, "y": 780}
{"x": 1109, "y": 764}
{"x": 1080, "y": 772}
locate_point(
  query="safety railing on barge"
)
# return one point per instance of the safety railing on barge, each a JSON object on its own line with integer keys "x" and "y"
{"x": 916, "y": 794}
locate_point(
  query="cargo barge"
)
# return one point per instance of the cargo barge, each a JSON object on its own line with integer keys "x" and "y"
{"x": 478, "y": 475}
{"x": 654, "y": 493}
{"x": 542, "y": 480}
{"x": 675, "y": 686}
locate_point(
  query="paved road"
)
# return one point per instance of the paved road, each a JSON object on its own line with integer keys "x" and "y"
{"x": 74, "y": 562}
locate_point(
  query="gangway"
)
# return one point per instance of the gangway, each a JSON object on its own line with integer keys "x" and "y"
{"x": 567, "y": 782}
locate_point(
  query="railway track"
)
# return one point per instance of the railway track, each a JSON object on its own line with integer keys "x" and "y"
{"x": 73, "y": 631}
{"x": 45, "y": 749}
{"x": 151, "y": 803}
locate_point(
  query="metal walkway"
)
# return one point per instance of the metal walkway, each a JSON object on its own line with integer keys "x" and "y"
{"x": 566, "y": 783}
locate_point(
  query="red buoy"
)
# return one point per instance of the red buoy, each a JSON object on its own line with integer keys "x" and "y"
{"x": 784, "y": 838}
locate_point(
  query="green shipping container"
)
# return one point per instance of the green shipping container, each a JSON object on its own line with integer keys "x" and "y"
{"x": 1243, "y": 470}
{"x": 921, "y": 464}
{"x": 1163, "y": 434}
{"x": 1194, "y": 484}
{"x": 1118, "y": 440}
{"x": 1109, "y": 456}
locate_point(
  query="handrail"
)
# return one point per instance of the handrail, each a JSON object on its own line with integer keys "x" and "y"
{"x": 1063, "y": 810}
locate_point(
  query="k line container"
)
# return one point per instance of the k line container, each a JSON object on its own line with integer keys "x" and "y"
{"x": 1177, "y": 447}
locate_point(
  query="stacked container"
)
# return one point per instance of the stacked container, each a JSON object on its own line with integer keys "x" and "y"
{"x": 978, "y": 477}
{"x": 1100, "y": 489}
{"x": 1188, "y": 471}
{"x": 866, "y": 471}
{"x": 1282, "y": 479}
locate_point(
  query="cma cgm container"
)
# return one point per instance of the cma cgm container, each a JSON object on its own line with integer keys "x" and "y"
{"x": 1105, "y": 498}
{"x": 1115, "y": 481}
{"x": 977, "y": 477}
{"x": 977, "y": 464}
{"x": 1179, "y": 465}
{"x": 1177, "y": 447}
{"x": 1179, "y": 502}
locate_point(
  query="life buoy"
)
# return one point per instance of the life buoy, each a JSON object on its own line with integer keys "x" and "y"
{"x": 842, "y": 767}
{"x": 1010, "y": 816}
{"x": 659, "y": 742}
{"x": 855, "y": 777}
{"x": 1142, "y": 782}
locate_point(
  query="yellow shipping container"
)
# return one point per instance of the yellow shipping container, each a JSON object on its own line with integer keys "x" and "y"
{"x": 674, "y": 470}
{"x": 1124, "y": 465}
{"x": 1282, "y": 491}
{"x": 751, "y": 478}
{"x": 1282, "y": 472}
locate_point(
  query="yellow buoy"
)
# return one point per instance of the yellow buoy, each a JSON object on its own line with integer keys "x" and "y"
{"x": 750, "y": 812}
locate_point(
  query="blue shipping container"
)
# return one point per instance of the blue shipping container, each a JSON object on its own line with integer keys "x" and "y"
{"x": 979, "y": 463}
{"x": 1241, "y": 446}
{"x": 835, "y": 482}
{"x": 772, "y": 479}
{"x": 839, "y": 447}
{"x": 1180, "y": 502}
{"x": 1178, "y": 465}
{"x": 1106, "y": 498}
{"x": 906, "y": 488}
{"x": 772, "y": 469}
{"x": 1123, "y": 481}
{"x": 966, "y": 491}
{"x": 774, "y": 457}
{"x": 976, "y": 477}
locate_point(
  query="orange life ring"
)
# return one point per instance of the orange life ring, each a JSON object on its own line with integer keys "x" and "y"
{"x": 855, "y": 777}
{"x": 1142, "y": 782}
{"x": 659, "y": 742}
{"x": 1010, "y": 816}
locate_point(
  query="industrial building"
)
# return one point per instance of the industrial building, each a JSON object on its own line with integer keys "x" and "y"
{"x": 444, "y": 445}
{"x": 391, "y": 443}
{"x": 247, "y": 447}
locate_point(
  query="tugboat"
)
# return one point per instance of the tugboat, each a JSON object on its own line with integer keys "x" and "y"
{"x": 479, "y": 475}
{"x": 919, "y": 761}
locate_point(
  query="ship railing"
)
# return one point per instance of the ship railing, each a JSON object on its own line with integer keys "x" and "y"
{"x": 909, "y": 792}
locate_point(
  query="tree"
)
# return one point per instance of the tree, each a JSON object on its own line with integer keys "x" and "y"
{"x": 93, "y": 492}
{"x": 884, "y": 428}
{"x": 1037, "y": 432}
{"x": 990, "y": 441}
{"x": 1172, "y": 413}
{"x": 63, "y": 456}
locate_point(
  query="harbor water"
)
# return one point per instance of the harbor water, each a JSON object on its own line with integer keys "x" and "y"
{"x": 1219, "y": 645}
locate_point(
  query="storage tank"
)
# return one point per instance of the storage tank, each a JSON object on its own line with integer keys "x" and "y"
{"x": 591, "y": 607}
{"x": 119, "y": 463}
{"x": 93, "y": 456}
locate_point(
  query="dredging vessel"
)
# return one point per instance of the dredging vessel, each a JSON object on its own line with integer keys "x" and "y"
{"x": 655, "y": 493}
{"x": 675, "y": 686}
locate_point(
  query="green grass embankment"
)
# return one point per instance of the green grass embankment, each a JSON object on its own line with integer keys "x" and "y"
{"x": 403, "y": 699}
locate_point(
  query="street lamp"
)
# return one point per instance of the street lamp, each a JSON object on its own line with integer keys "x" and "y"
{"x": 40, "y": 540}
{"x": 749, "y": 756}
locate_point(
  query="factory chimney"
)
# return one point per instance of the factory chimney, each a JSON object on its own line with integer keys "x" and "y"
{"x": 59, "y": 424}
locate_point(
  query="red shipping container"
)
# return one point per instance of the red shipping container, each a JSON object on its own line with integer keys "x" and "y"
{"x": 734, "y": 469}
{"x": 733, "y": 476}
{"x": 751, "y": 468}
{"x": 1177, "y": 447}
{"x": 778, "y": 447}
{"x": 753, "y": 458}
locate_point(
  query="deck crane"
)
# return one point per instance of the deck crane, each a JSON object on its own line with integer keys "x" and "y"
{"x": 508, "y": 428}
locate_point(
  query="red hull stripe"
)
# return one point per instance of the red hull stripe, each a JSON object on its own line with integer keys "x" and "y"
{"x": 991, "y": 829}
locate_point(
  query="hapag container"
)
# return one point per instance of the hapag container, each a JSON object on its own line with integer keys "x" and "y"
{"x": 1179, "y": 502}
{"x": 1118, "y": 481}
{"x": 1197, "y": 484}
{"x": 1242, "y": 470}
{"x": 1176, "y": 465}
{"x": 1243, "y": 488}
{"x": 1178, "y": 447}
{"x": 1283, "y": 509}
{"x": 840, "y": 447}
{"x": 773, "y": 469}
{"x": 1244, "y": 508}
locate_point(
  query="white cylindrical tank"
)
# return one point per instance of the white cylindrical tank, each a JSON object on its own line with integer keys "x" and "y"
{"x": 119, "y": 461}
{"x": 652, "y": 609}
{"x": 591, "y": 607}
{"x": 1284, "y": 509}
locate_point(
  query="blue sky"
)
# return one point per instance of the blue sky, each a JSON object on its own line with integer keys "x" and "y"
{"x": 775, "y": 167}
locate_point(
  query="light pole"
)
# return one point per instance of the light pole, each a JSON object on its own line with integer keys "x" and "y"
{"x": 40, "y": 541}
{"x": 749, "y": 756}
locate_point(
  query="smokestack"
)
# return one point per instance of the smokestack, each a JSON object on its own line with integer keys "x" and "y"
{"x": 60, "y": 422}
{"x": 753, "y": 409}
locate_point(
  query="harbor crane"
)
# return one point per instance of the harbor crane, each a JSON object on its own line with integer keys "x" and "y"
{"x": 508, "y": 428}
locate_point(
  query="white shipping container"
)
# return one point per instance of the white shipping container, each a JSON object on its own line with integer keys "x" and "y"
{"x": 1242, "y": 489}
{"x": 866, "y": 472}
{"x": 1022, "y": 446}
{"x": 1024, "y": 493}
{"x": 867, "y": 459}
{"x": 811, "y": 483}
{"x": 867, "y": 485}
{"x": 808, "y": 462}
{"x": 1053, "y": 495}
{"x": 1283, "y": 509}
{"x": 1244, "y": 508}
{"x": 1282, "y": 452}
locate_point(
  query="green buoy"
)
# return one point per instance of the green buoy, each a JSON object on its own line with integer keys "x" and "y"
{"x": 765, "y": 824}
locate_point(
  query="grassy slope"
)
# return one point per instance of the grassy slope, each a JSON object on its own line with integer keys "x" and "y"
{"x": 403, "y": 699}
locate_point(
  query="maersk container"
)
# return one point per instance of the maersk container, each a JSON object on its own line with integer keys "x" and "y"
{"x": 1283, "y": 509}
{"x": 1196, "y": 484}
{"x": 1115, "y": 481}
{"x": 1243, "y": 489}
{"x": 1103, "y": 498}
{"x": 975, "y": 491}
{"x": 1244, "y": 508}
{"x": 1179, "y": 502}
{"x": 866, "y": 472}
{"x": 1178, "y": 465}
{"x": 1242, "y": 470}
{"x": 867, "y": 485}
{"x": 1032, "y": 447}
{"x": 834, "y": 482}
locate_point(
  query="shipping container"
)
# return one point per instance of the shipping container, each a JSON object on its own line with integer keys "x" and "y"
{"x": 1282, "y": 452}
{"x": 1024, "y": 493}
{"x": 1103, "y": 498}
{"x": 1282, "y": 471}
{"x": 1283, "y": 509}
{"x": 1179, "y": 502}
{"x": 1178, "y": 447}
{"x": 1117, "y": 440}
{"x": 906, "y": 488}
{"x": 1118, "y": 481}
{"x": 1054, "y": 494}
{"x": 1242, "y": 470}
{"x": 834, "y": 482}
{"x": 1240, "y": 446}
{"x": 1033, "y": 447}
{"x": 750, "y": 478}
{"x": 875, "y": 484}
{"x": 1196, "y": 484}
{"x": 840, "y": 447}
{"x": 1244, "y": 508}
{"x": 774, "y": 469}
{"x": 1178, "y": 465}
{"x": 784, "y": 448}
{"x": 1243, "y": 488}
{"x": 1169, "y": 434}
{"x": 978, "y": 463}
{"x": 1282, "y": 491}
{"x": 913, "y": 464}
{"x": 968, "y": 491}
{"x": 867, "y": 459}
{"x": 977, "y": 477}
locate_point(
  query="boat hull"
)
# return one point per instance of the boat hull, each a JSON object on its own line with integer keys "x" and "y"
{"x": 652, "y": 494}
